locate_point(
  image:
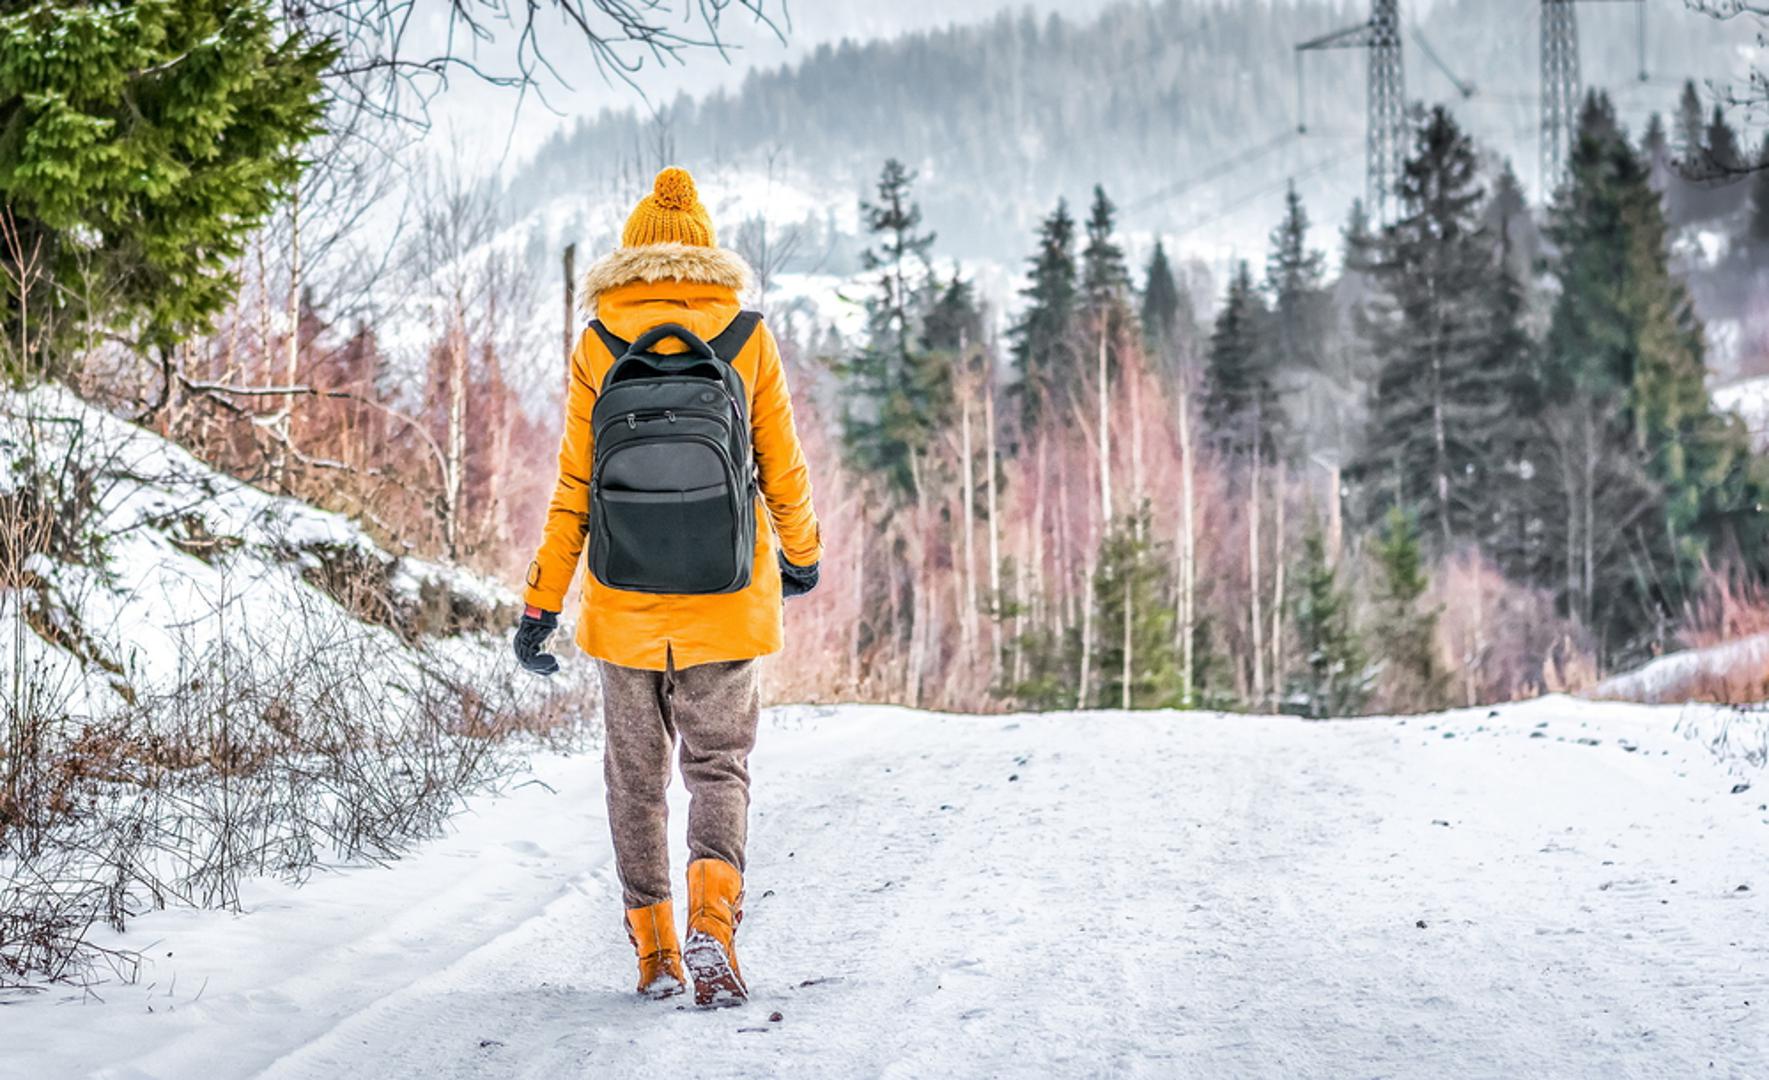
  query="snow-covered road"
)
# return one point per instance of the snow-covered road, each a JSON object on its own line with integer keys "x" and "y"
{"x": 1082, "y": 895}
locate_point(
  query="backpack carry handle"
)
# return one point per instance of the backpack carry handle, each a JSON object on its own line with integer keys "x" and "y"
{"x": 680, "y": 333}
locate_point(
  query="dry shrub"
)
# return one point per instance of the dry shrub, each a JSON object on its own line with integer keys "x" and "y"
{"x": 1731, "y": 606}
{"x": 1503, "y": 641}
{"x": 320, "y": 740}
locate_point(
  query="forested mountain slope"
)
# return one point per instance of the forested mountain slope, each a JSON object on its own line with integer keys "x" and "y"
{"x": 1185, "y": 110}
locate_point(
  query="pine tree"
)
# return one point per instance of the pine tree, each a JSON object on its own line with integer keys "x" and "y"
{"x": 1105, "y": 277}
{"x": 1333, "y": 682}
{"x": 1691, "y": 132}
{"x": 143, "y": 143}
{"x": 1293, "y": 274}
{"x": 1435, "y": 397}
{"x": 1130, "y": 586}
{"x": 1405, "y": 630}
{"x": 1661, "y": 480}
{"x": 900, "y": 393}
{"x": 1721, "y": 153}
{"x": 1356, "y": 238}
{"x": 1507, "y": 509}
{"x": 1240, "y": 404}
{"x": 1044, "y": 339}
{"x": 1166, "y": 312}
{"x": 1656, "y": 142}
{"x": 954, "y": 320}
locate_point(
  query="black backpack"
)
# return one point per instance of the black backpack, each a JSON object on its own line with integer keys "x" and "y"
{"x": 672, "y": 486}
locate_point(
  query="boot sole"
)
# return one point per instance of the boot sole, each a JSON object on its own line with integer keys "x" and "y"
{"x": 716, "y": 983}
{"x": 666, "y": 986}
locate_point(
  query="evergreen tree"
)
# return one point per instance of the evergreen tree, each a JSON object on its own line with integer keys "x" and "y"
{"x": 1691, "y": 132}
{"x": 1105, "y": 277}
{"x": 143, "y": 143}
{"x": 1405, "y": 630}
{"x": 954, "y": 320}
{"x": 1166, "y": 312}
{"x": 900, "y": 393}
{"x": 1506, "y": 353}
{"x": 1043, "y": 340}
{"x": 1436, "y": 399}
{"x": 1333, "y": 681}
{"x": 1130, "y": 585}
{"x": 1293, "y": 275}
{"x": 1662, "y": 479}
{"x": 1240, "y": 404}
{"x": 1720, "y": 150}
{"x": 1356, "y": 238}
{"x": 1656, "y": 142}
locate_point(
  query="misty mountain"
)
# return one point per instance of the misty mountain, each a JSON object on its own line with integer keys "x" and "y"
{"x": 1186, "y": 110}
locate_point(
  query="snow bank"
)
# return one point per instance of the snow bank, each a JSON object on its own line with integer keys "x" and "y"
{"x": 1739, "y": 667}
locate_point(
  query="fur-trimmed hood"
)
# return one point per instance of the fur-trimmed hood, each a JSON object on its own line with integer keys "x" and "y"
{"x": 663, "y": 262}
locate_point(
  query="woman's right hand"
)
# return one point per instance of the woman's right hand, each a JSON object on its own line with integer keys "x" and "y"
{"x": 531, "y": 634}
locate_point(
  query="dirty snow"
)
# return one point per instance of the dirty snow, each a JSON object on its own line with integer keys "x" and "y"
{"x": 1561, "y": 888}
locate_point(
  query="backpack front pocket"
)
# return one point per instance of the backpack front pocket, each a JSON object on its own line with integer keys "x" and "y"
{"x": 669, "y": 541}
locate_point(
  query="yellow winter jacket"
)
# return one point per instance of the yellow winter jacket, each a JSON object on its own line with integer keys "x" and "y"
{"x": 631, "y": 291}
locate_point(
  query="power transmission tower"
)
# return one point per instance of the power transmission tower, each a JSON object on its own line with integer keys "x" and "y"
{"x": 1385, "y": 121}
{"x": 1561, "y": 87}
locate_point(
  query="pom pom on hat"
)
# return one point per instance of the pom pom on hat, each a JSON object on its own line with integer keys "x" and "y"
{"x": 674, "y": 189}
{"x": 671, "y": 214}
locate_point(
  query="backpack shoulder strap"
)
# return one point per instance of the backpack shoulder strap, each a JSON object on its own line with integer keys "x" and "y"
{"x": 616, "y": 346}
{"x": 734, "y": 337}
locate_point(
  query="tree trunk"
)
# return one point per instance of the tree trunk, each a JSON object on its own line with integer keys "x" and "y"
{"x": 920, "y": 583}
{"x": 1258, "y": 625}
{"x": 1188, "y": 571}
{"x": 457, "y": 429}
{"x": 967, "y": 492}
{"x": 1083, "y": 687}
{"x": 861, "y": 533}
{"x": 292, "y": 360}
{"x": 1277, "y": 597}
{"x": 1134, "y": 382}
{"x": 994, "y": 606}
{"x": 1105, "y": 443}
{"x": 1129, "y": 614}
{"x": 1440, "y": 445}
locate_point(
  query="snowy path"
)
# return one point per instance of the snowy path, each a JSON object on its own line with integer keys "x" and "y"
{"x": 1032, "y": 896}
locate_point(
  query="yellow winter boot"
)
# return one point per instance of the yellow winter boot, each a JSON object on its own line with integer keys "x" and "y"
{"x": 652, "y": 930}
{"x": 715, "y": 907}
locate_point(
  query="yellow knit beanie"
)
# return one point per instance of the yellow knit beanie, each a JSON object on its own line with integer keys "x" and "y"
{"x": 671, "y": 214}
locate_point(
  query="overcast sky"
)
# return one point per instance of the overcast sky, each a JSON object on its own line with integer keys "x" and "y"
{"x": 491, "y": 126}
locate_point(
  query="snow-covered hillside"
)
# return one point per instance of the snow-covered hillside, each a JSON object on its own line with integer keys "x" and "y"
{"x": 1561, "y": 888}
{"x": 160, "y": 560}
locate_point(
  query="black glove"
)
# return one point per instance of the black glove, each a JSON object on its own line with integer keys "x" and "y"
{"x": 796, "y": 580}
{"x": 531, "y": 633}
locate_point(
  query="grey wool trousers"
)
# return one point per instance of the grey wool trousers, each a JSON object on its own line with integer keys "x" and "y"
{"x": 712, "y": 711}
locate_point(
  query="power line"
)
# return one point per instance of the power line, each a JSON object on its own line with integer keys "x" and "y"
{"x": 1228, "y": 208}
{"x": 1220, "y": 169}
